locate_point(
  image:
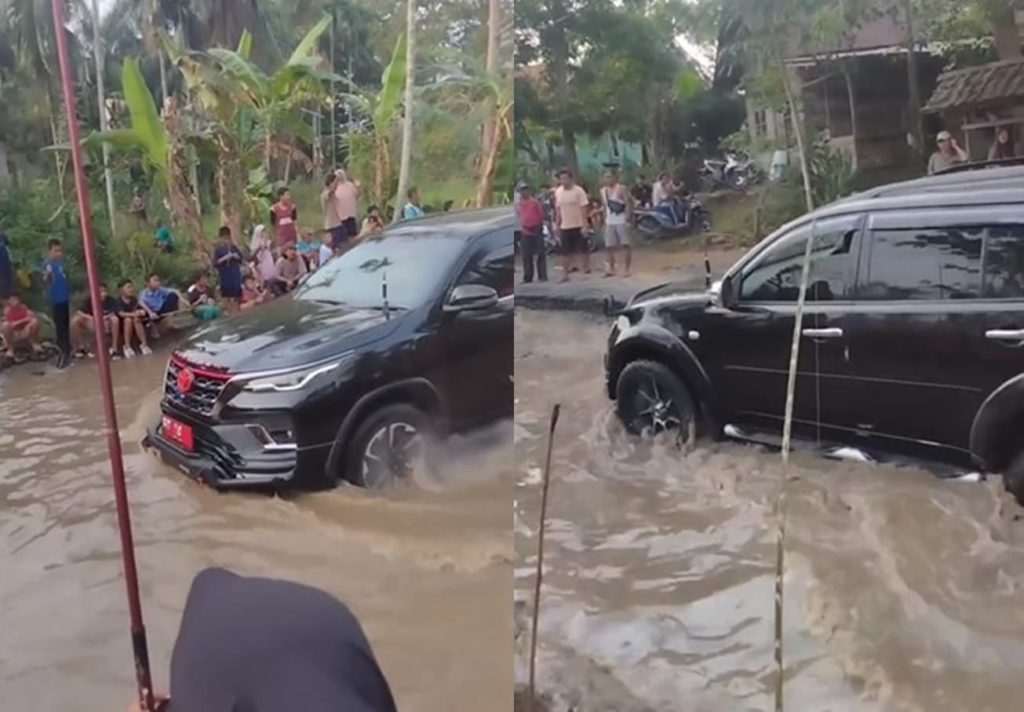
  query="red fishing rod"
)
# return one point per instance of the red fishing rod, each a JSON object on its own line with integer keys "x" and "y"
{"x": 131, "y": 579}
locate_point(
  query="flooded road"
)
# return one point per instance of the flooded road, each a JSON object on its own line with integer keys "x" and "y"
{"x": 428, "y": 574}
{"x": 902, "y": 592}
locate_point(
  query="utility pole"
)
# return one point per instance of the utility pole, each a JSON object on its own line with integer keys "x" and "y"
{"x": 101, "y": 96}
{"x": 410, "y": 80}
{"x": 914, "y": 89}
{"x": 334, "y": 94}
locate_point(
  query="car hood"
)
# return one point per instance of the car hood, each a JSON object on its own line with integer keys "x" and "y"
{"x": 284, "y": 333}
{"x": 675, "y": 293}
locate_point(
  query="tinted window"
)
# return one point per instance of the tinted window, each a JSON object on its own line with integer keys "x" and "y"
{"x": 493, "y": 264}
{"x": 775, "y": 274}
{"x": 414, "y": 264}
{"x": 1004, "y": 262}
{"x": 924, "y": 264}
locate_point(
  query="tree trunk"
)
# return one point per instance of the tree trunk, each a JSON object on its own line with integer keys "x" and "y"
{"x": 487, "y": 167}
{"x": 572, "y": 160}
{"x": 410, "y": 81}
{"x": 163, "y": 78}
{"x": 179, "y": 189}
{"x": 1005, "y": 30}
{"x": 101, "y": 101}
{"x": 913, "y": 87}
{"x": 5, "y": 172}
{"x": 288, "y": 168}
{"x": 57, "y": 155}
{"x": 851, "y": 97}
{"x": 798, "y": 129}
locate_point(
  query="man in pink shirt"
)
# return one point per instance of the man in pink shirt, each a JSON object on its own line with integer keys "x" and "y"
{"x": 346, "y": 202}
{"x": 572, "y": 207}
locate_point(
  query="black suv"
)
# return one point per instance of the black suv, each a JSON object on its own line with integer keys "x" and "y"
{"x": 405, "y": 337}
{"x": 912, "y": 339}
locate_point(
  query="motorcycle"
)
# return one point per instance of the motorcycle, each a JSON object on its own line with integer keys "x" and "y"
{"x": 736, "y": 172}
{"x": 689, "y": 216}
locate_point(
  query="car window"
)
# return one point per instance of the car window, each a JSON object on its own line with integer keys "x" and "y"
{"x": 775, "y": 275}
{"x": 413, "y": 262}
{"x": 1004, "y": 262}
{"x": 493, "y": 263}
{"x": 923, "y": 264}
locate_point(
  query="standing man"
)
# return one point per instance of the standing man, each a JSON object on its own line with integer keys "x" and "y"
{"x": 571, "y": 207}
{"x": 531, "y": 225}
{"x": 58, "y": 294}
{"x": 618, "y": 209}
{"x": 329, "y": 204}
{"x": 346, "y": 202}
{"x": 948, "y": 153}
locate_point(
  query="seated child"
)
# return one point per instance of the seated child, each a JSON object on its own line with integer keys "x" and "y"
{"x": 85, "y": 320}
{"x": 252, "y": 293}
{"x": 19, "y": 324}
{"x": 200, "y": 298}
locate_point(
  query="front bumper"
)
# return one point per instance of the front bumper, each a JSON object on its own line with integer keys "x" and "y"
{"x": 219, "y": 464}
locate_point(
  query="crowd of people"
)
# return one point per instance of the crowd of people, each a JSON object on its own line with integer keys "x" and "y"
{"x": 280, "y": 255}
{"x": 948, "y": 152}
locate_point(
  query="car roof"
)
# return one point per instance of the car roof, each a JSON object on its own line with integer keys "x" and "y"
{"x": 992, "y": 184}
{"x": 458, "y": 225}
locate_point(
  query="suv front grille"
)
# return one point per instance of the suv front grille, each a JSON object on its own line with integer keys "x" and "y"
{"x": 206, "y": 387}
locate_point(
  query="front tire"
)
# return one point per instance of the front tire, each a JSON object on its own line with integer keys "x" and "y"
{"x": 651, "y": 399}
{"x": 739, "y": 180}
{"x": 393, "y": 446}
{"x": 1013, "y": 478}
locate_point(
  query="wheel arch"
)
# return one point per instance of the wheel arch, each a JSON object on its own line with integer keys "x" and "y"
{"x": 995, "y": 431}
{"x": 657, "y": 344}
{"x": 418, "y": 392}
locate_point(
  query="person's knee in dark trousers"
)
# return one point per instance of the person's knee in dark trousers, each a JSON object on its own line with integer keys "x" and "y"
{"x": 265, "y": 644}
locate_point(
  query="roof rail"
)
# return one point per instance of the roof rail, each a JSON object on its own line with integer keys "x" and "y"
{"x": 978, "y": 165}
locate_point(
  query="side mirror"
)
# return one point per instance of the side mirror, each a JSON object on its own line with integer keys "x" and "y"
{"x": 726, "y": 297}
{"x": 471, "y": 297}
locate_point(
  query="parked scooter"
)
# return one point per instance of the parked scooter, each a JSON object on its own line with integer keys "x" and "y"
{"x": 736, "y": 172}
{"x": 689, "y": 216}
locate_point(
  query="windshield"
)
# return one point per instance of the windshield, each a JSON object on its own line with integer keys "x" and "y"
{"x": 414, "y": 266}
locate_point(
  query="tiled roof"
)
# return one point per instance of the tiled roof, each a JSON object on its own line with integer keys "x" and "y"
{"x": 978, "y": 85}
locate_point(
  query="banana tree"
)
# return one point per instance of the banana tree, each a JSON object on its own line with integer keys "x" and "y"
{"x": 382, "y": 108}
{"x": 164, "y": 148}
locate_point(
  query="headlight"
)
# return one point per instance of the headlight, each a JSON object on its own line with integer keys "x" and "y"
{"x": 295, "y": 380}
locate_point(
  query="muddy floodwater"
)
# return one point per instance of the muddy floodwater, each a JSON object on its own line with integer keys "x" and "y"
{"x": 902, "y": 592}
{"x": 428, "y": 574}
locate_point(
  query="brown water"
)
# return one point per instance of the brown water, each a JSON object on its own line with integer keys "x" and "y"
{"x": 427, "y": 574}
{"x": 902, "y": 592}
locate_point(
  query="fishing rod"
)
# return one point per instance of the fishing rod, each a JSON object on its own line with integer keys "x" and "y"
{"x": 787, "y": 433}
{"x": 143, "y": 678}
{"x": 540, "y": 556}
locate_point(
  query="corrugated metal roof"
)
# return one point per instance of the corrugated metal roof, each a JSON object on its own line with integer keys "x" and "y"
{"x": 973, "y": 86}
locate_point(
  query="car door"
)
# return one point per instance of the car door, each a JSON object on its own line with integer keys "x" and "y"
{"x": 478, "y": 343}
{"x": 750, "y": 341}
{"x": 919, "y": 359}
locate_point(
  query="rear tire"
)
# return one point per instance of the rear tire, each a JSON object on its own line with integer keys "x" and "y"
{"x": 1013, "y": 478}
{"x": 394, "y": 445}
{"x": 651, "y": 399}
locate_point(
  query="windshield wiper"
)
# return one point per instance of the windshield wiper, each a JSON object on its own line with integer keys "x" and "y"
{"x": 332, "y": 302}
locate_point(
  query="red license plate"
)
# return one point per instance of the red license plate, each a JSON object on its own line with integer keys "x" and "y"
{"x": 178, "y": 432}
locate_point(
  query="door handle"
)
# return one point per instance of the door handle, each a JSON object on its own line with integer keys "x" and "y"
{"x": 832, "y": 333}
{"x": 1005, "y": 334}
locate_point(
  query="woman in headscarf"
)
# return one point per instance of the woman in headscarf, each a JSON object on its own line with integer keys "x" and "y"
{"x": 261, "y": 252}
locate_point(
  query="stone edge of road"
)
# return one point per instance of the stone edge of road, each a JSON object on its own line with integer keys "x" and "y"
{"x": 588, "y": 295}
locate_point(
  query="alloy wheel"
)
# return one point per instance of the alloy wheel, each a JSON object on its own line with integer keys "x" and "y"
{"x": 655, "y": 412}
{"x": 397, "y": 451}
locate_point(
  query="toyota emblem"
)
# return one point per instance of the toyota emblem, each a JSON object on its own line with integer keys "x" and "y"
{"x": 186, "y": 380}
